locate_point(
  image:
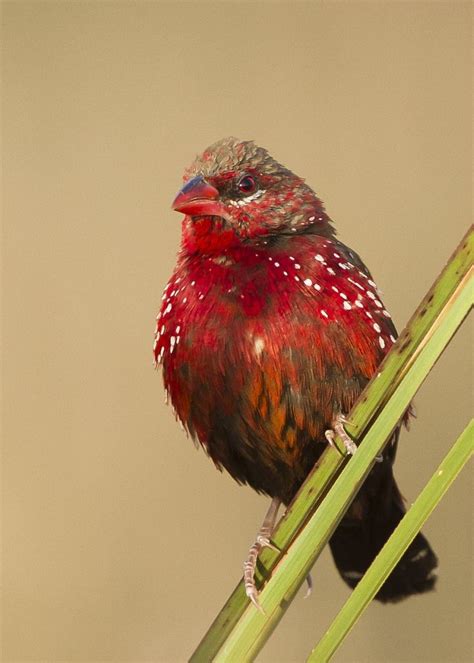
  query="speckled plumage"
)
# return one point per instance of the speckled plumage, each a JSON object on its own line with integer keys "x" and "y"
{"x": 270, "y": 327}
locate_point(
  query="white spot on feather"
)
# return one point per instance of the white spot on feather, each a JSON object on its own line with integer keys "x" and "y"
{"x": 358, "y": 285}
{"x": 259, "y": 345}
{"x": 249, "y": 199}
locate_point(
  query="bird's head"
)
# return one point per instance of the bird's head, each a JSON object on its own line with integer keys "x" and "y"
{"x": 236, "y": 193}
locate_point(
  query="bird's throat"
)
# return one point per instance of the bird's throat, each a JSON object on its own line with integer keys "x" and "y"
{"x": 207, "y": 235}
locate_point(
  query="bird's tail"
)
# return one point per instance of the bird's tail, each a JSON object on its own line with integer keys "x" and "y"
{"x": 371, "y": 519}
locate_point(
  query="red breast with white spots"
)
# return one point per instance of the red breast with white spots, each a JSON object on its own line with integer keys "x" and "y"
{"x": 321, "y": 276}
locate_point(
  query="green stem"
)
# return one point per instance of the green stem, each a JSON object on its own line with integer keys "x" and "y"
{"x": 395, "y": 546}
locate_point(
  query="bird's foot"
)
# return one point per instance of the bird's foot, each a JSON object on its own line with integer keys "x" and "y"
{"x": 338, "y": 429}
{"x": 262, "y": 540}
{"x": 349, "y": 444}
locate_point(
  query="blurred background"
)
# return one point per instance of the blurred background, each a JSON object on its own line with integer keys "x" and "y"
{"x": 121, "y": 541}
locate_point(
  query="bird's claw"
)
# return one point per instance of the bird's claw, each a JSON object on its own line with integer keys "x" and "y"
{"x": 252, "y": 593}
{"x": 338, "y": 429}
{"x": 338, "y": 426}
{"x": 349, "y": 444}
{"x": 330, "y": 436}
{"x": 249, "y": 572}
{"x": 262, "y": 540}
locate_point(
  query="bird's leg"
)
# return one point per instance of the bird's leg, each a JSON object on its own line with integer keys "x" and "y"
{"x": 262, "y": 541}
{"x": 349, "y": 444}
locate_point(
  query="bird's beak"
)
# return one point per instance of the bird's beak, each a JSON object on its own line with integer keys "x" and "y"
{"x": 198, "y": 198}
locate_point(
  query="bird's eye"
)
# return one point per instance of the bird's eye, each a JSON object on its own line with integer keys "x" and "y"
{"x": 247, "y": 184}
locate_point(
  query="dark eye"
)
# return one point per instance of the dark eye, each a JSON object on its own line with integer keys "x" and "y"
{"x": 247, "y": 184}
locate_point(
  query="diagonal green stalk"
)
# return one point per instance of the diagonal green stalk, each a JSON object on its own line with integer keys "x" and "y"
{"x": 379, "y": 409}
{"x": 395, "y": 546}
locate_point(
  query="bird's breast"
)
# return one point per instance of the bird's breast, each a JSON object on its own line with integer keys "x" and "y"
{"x": 204, "y": 321}
{"x": 308, "y": 318}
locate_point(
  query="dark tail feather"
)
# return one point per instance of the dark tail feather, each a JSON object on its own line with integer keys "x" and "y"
{"x": 371, "y": 519}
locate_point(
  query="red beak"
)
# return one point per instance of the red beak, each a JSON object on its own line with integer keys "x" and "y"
{"x": 198, "y": 198}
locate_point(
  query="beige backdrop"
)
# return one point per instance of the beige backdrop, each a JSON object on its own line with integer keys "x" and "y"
{"x": 121, "y": 541}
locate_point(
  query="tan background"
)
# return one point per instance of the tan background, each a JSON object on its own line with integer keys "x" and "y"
{"x": 121, "y": 541}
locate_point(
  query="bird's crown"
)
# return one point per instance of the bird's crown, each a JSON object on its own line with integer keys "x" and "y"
{"x": 233, "y": 154}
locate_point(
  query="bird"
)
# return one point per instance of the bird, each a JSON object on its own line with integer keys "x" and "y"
{"x": 269, "y": 329}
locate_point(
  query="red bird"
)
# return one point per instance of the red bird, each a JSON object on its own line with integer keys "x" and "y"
{"x": 269, "y": 330}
